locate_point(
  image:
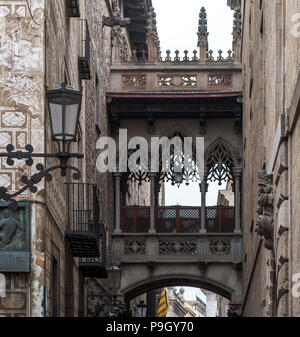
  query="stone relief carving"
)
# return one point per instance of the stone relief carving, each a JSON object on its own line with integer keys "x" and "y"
{"x": 177, "y": 81}
{"x": 220, "y": 247}
{"x": 8, "y": 231}
{"x": 120, "y": 43}
{"x": 135, "y": 247}
{"x": 134, "y": 81}
{"x": 177, "y": 247}
{"x": 12, "y": 230}
{"x": 265, "y": 223}
{"x": 220, "y": 80}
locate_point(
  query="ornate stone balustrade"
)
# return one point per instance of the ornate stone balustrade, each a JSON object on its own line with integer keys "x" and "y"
{"x": 177, "y": 77}
{"x": 140, "y": 57}
{"x": 189, "y": 248}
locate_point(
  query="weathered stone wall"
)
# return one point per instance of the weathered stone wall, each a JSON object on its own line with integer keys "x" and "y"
{"x": 271, "y": 61}
{"x": 254, "y": 158}
{"x": 97, "y": 124}
{"x": 35, "y": 52}
{"x": 22, "y": 122}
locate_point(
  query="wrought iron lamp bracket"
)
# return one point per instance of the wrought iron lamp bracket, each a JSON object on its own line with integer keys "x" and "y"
{"x": 29, "y": 183}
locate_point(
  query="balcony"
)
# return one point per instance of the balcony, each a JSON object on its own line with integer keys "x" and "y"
{"x": 84, "y": 227}
{"x": 136, "y": 219}
{"x": 178, "y": 236}
{"x": 177, "y": 248}
{"x": 84, "y": 51}
{"x": 73, "y": 8}
{"x": 86, "y": 233}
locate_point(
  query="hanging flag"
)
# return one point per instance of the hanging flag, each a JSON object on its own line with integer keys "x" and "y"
{"x": 163, "y": 304}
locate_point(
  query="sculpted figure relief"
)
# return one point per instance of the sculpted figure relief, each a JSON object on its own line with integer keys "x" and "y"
{"x": 264, "y": 223}
{"x": 9, "y": 229}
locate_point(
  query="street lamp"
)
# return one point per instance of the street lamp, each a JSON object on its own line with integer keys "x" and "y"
{"x": 142, "y": 309}
{"x": 114, "y": 274}
{"x": 64, "y": 105}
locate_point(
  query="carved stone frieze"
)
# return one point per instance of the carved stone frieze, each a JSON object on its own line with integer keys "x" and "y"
{"x": 177, "y": 81}
{"x": 135, "y": 81}
{"x": 265, "y": 222}
{"x": 219, "y": 80}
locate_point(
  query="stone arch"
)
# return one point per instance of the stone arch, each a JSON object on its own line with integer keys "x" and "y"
{"x": 178, "y": 280}
{"x": 176, "y": 129}
{"x": 223, "y": 279}
{"x": 221, "y": 160}
{"x": 235, "y": 154}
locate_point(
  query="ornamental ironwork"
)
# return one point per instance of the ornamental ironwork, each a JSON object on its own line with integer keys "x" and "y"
{"x": 220, "y": 164}
{"x": 43, "y": 173}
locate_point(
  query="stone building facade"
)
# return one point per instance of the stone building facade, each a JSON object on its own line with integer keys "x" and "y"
{"x": 270, "y": 57}
{"x": 40, "y": 44}
{"x": 40, "y": 41}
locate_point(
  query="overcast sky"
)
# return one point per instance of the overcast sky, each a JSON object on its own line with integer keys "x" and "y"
{"x": 177, "y": 23}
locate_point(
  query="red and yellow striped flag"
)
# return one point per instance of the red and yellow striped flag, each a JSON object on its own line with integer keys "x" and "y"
{"x": 163, "y": 304}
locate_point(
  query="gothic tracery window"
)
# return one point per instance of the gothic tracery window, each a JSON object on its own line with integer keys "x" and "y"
{"x": 219, "y": 164}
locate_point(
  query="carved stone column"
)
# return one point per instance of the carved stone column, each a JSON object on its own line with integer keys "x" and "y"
{"x": 117, "y": 176}
{"x": 152, "y": 202}
{"x": 237, "y": 198}
{"x": 203, "y": 189}
{"x": 202, "y": 36}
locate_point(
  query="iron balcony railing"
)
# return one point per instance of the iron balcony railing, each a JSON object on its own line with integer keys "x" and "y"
{"x": 136, "y": 219}
{"x": 85, "y": 231}
{"x": 84, "y": 50}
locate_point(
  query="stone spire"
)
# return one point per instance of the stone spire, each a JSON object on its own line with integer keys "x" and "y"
{"x": 237, "y": 34}
{"x": 203, "y": 35}
{"x": 152, "y": 36}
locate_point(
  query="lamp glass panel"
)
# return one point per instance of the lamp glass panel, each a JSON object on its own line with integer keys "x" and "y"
{"x": 71, "y": 117}
{"x": 56, "y": 119}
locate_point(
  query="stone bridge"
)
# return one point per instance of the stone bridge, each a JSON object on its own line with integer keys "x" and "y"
{"x": 191, "y": 96}
{"x": 208, "y": 261}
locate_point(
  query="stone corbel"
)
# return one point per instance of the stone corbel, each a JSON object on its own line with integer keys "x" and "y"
{"x": 238, "y": 121}
{"x": 115, "y": 121}
{"x": 235, "y": 309}
{"x": 151, "y": 122}
{"x": 203, "y": 124}
{"x": 115, "y": 21}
